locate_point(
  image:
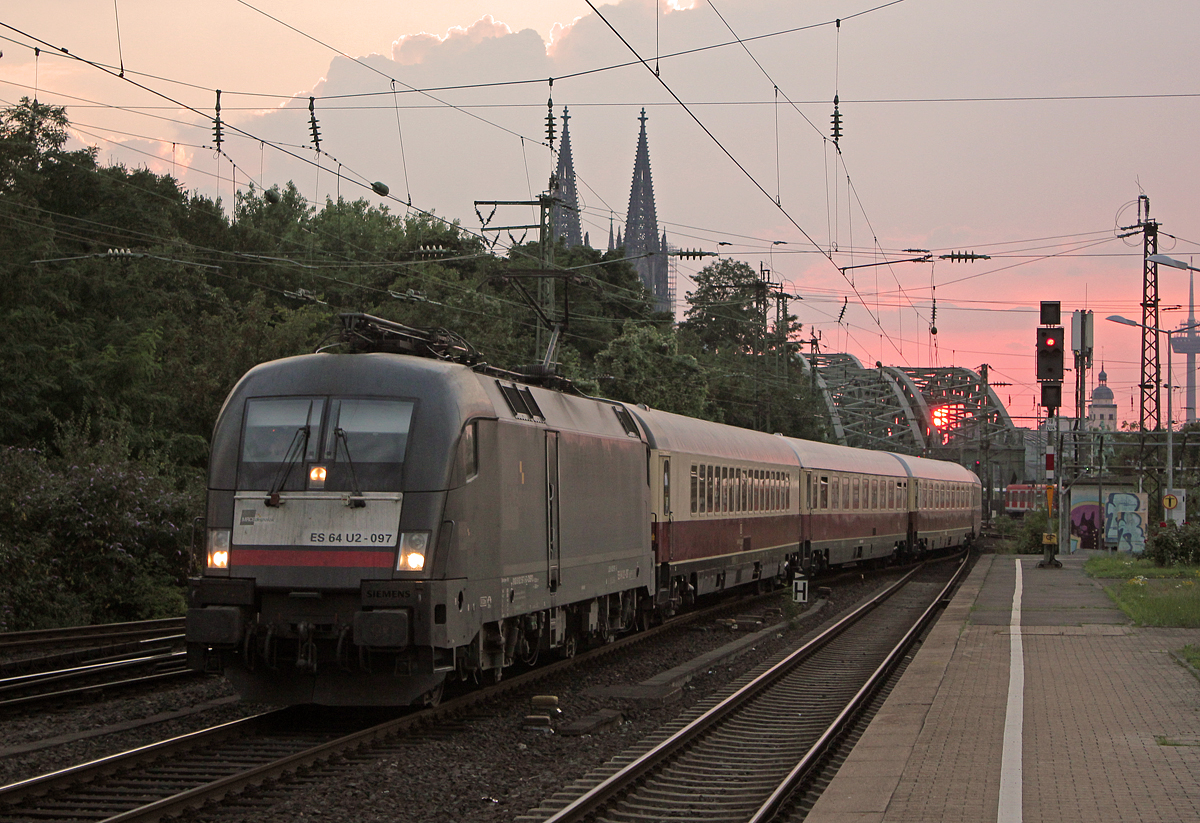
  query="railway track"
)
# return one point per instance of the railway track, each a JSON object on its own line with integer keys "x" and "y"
{"x": 58, "y": 666}
{"x": 56, "y": 687}
{"x": 88, "y": 636}
{"x": 169, "y": 777}
{"x": 739, "y": 756}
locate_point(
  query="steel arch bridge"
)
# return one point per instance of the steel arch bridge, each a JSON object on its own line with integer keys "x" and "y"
{"x": 945, "y": 413}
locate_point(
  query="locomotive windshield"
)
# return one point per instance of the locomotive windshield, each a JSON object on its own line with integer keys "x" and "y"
{"x": 273, "y": 424}
{"x": 361, "y": 442}
{"x": 373, "y": 431}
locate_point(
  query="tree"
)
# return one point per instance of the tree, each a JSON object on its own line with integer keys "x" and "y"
{"x": 644, "y": 365}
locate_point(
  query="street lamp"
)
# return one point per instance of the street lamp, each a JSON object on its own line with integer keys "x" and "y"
{"x": 1169, "y": 261}
{"x": 1125, "y": 321}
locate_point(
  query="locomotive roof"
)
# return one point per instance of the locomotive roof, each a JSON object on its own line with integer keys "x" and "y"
{"x": 447, "y": 393}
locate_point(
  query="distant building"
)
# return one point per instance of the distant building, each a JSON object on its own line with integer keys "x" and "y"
{"x": 564, "y": 217}
{"x": 1102, "y": 410}
{"x": 644, "y": 246}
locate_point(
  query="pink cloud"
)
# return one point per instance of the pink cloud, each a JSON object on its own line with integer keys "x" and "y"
{"x": 411, "y": 49}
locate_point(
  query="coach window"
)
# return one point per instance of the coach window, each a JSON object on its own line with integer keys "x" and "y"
{"x": 708, "y": 488}
{"x": 823, "y": 485}
{"x": 667, "y": 486}
{"x": 724, "y": 488}
{"x": 694, "y": 488}
{"x": 854, "y": 492}
{"x": 837, "y": 493}
{"x": 703, "y": 490}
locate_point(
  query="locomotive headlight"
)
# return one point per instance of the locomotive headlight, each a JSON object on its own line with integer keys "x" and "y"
{"x": 316, "y": 477}
{"x": 218, "y": 548}
{"x": 411, "y": 557}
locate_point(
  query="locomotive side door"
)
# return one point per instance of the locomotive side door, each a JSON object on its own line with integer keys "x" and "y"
{"x": 664, "y": 524}
{"x": 552, "y": 547}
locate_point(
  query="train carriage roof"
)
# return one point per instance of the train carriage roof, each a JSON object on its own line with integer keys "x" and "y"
{"x": 685, "y": 435}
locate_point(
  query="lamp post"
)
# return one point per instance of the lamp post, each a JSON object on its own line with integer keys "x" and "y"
{"x": 1188, "y": 344}
{"x": 1125, "y": 321}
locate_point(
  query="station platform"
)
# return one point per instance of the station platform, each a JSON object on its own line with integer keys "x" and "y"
{"x": 1102, "y": 724}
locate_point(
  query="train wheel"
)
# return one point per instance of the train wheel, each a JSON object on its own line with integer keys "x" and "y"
{"x": 569, "y": 647}
{"x": 433, "y": 697}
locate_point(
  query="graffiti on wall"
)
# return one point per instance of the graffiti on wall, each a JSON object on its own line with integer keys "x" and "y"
{"x": 1121, "y": 525}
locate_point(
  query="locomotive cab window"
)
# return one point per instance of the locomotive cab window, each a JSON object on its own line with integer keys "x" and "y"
{"x": 368, "y": 431}
{"x": 279, "y": 432}
{"x": 470, "y": 450}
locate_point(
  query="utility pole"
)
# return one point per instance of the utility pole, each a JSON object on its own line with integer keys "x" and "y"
{"x": 1151, "y": 369}
{"x": 985, "y": 448}
{"x": 548, "y": 330}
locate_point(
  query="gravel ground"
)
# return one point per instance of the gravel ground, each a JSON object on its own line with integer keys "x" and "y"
{"x": 495, "y": 769}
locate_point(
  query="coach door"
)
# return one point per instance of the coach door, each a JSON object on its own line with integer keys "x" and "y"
{"x": 552, "y": 548}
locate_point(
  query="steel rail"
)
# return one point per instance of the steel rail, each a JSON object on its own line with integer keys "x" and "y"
{"x": 607, "y": 789}
{"x": 89, "y": 635}
{"x": 811, "y": 758}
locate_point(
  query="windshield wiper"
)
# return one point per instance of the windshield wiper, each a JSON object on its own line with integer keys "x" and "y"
{"x": 294, "y": 453}
{"x": 356, "y": 500}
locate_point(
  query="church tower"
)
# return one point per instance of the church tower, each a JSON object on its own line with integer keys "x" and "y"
{"x": 1102, "y": 411}
{"x": 642, "y": 241}
{"x": 564, "y": 218}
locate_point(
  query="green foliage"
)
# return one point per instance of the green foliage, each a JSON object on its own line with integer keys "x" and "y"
{"x": 95, "y": 537}
{"x": 643, "y": 365}
{"x": 1173, "y": 545}
{"x": 1159, "y": 602}
{"x": 1124, "y": 565}
{"x": 1029, "y": 539}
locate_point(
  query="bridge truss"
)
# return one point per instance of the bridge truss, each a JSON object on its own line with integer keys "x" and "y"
{"x": 945, "y": 413}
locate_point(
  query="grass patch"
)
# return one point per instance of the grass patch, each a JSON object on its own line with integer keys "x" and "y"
{"x": 1158, "y": 601}
{"x": 1192, "y": 655}
{"x": 1123, "y": 567}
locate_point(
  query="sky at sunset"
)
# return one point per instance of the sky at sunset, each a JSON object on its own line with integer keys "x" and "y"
{"x": 1021, "y": 130}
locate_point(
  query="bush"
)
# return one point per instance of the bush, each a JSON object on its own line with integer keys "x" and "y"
{"x": 90, "y": 537}
{"x": 1029, "y": 540}
{"x": 1172, "y": 545}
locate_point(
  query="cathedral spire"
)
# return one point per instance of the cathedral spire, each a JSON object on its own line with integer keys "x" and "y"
{"x": 642, "y": 241}
{"x": 565, "y": 215}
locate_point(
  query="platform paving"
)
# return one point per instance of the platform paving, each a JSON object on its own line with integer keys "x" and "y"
{"x": 1111, "y": 722}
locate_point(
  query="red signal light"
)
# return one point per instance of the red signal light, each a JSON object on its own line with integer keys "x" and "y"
{"x": 1050, "y": 354}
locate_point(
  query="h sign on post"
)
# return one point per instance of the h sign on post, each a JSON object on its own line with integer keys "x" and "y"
{"x": 800, "y": 590}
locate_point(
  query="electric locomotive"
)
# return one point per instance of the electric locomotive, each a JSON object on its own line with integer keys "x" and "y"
{"x": 379, "y": 521}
